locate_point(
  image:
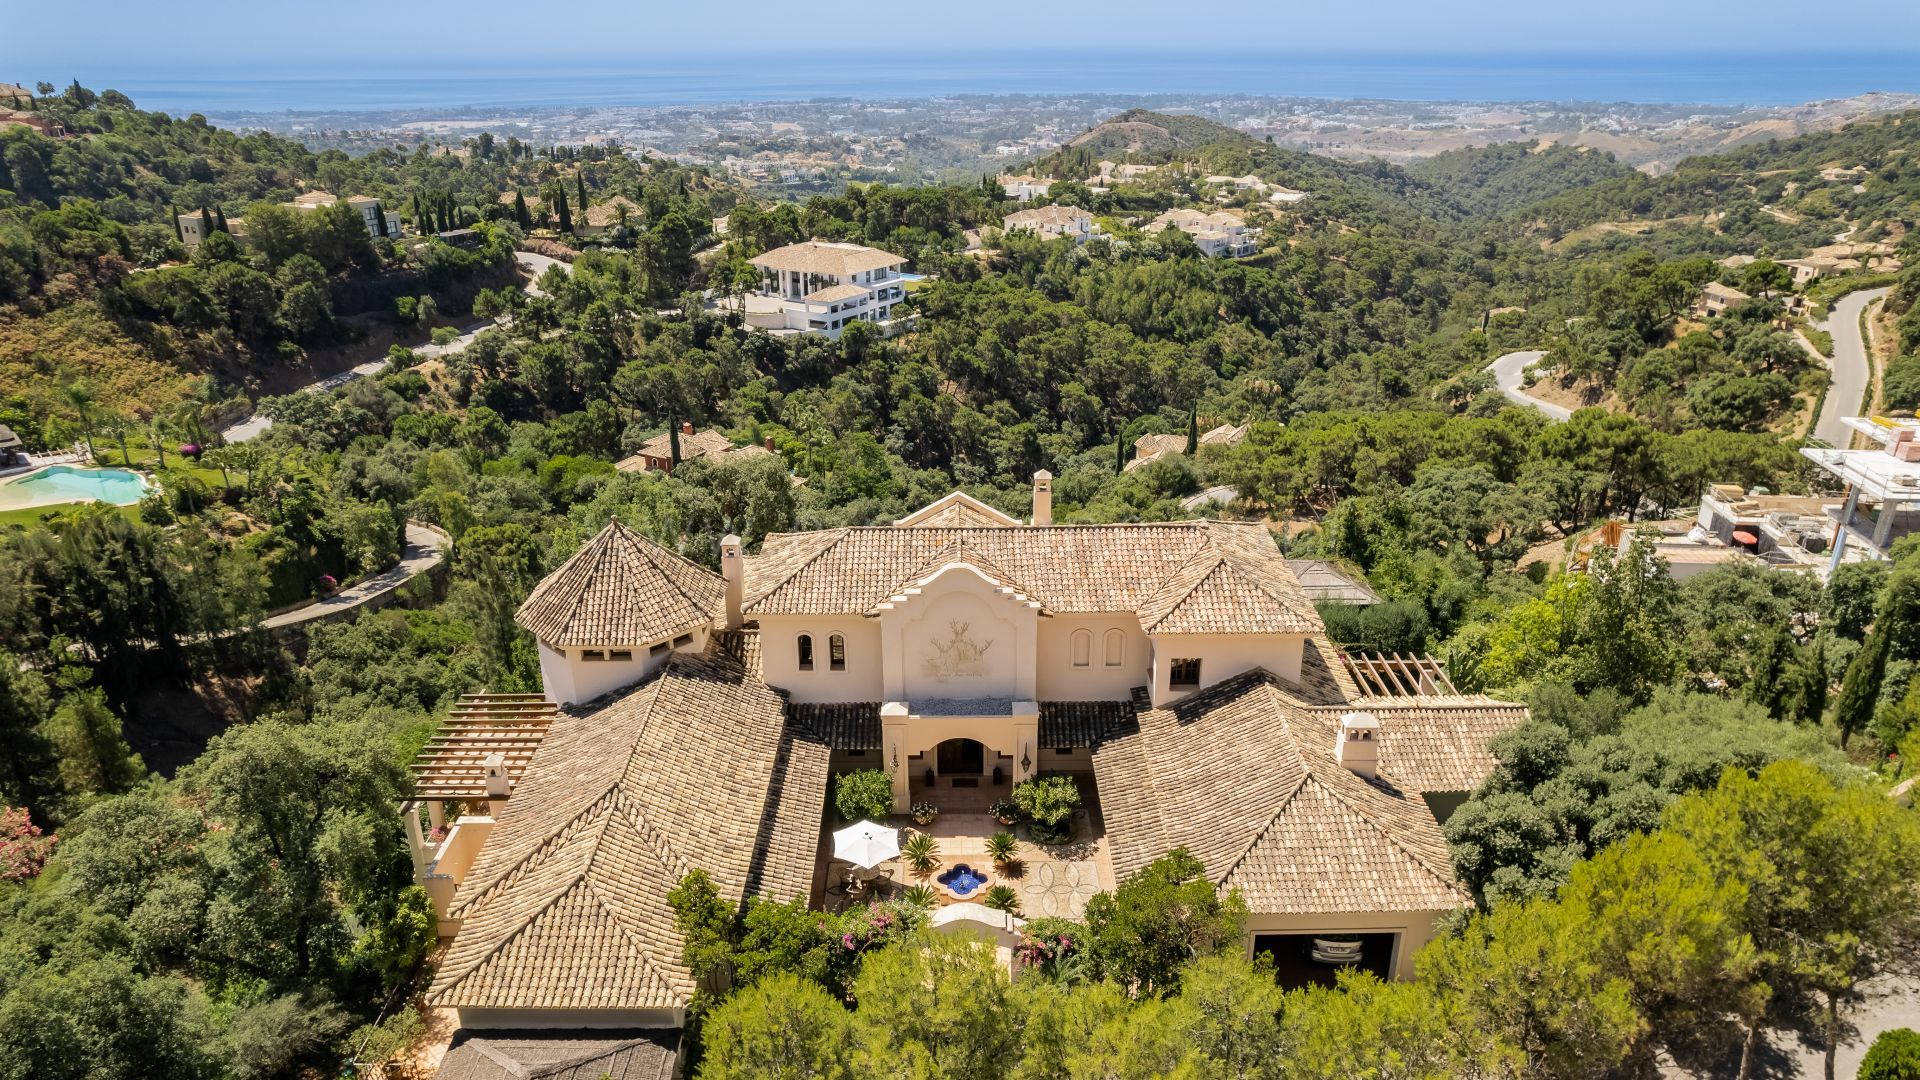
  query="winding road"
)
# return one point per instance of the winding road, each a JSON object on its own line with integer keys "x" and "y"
{"x": 1851, "y": 367}
{"x": 535, "y": 266}
{"x": 426, "y": 548}
{"x": 1507, "y": 375}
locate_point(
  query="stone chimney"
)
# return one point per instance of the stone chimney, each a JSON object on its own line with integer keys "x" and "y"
{"x": 1043, "y": 498}
{"x": 1359, "y": 745}
{"x": 768, "y": 443}
{"x": 686, "y": 427}
{"x": 733, "y": 567}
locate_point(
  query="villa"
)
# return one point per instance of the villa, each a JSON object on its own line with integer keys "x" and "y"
{"x": 1052, "y": 222}
{"x": 1715, "y": 299}
{"x": 1025, "y": 188}
{"x": 820, "y": 286}
{"x": 1151, "y": 448}
{"x": 1882, "y": 503}
{"x": 378, "y": 220}
{"x": 695, "y": 720}
{"x": 656, "y": 454}
{"x": 1220, "y": 233}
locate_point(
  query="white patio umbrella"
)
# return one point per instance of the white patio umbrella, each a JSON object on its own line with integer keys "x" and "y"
{"x": 865, "y": 844}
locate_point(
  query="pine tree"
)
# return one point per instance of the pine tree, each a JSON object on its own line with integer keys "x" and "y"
{"x": 1193, "y": 431}
{"x": 520, "y": 213}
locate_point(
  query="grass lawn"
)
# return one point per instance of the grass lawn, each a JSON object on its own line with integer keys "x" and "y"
{"x": 33, "y": 516}
{"x": 109, "y": 456}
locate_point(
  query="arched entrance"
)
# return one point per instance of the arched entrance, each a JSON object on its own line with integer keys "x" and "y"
{"x": 960, "y": 757}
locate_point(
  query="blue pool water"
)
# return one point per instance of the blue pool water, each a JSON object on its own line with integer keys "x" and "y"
{"x": 65, "y": 484}
{"x": 964, "y": 880}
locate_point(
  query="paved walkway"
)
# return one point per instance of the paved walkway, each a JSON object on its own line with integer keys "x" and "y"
{"x": 1506, "y": 375}
{"x": 1851, "y": 367}
{"x": 423, "y": 552}
{"x": 535, "y": 266}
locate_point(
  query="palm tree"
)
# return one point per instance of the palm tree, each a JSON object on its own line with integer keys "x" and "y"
{"x": 922, "y": 853}
{"x": 79, "y": 396}
{"x": 157, "y": 437}
{"x": 117, "y": 426}
{"x": 1003, "y": 898}
{"x": 1003, "y": 849}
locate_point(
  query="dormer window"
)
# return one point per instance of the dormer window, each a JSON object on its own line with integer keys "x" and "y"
{"x": 805, "y": 657}
{"x": 1184, "y": 674}
{"x": 837, "y": 653}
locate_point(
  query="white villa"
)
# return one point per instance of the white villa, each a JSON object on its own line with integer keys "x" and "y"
{"x": 1176, "y": 671}
{"x": 1219, "y": 234}
{"x": 820, "y": 286}
{"x": 1882, "y": 502}
{"x": 1052, "y": 222}
{"x": 372, "y": 212}
{"x": 1025, "y": 188}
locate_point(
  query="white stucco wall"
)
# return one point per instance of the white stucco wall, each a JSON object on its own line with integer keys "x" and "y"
{"x": 958, "y": 638}
{"x": 1059, "y": 680}
{"x": 1222, "y": 656}
{"x": 780, "y": 657}
{"x": 567, "y": 679}
{"x": 1414, "y": 927}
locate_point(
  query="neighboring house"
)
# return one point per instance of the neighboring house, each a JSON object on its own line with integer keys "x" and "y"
{"x": 1836, "y": 174}
{"x": 1024, "y": 188}
{"x": 372, "y": 214}
{"x": 1052, "y": 222}
{"x": 1278, "y": 194}
{"x": 1324, "y": 581}
{"x": 1176, "y": 670}
{"x": 820, "y": 286}
{"x": 1248, "y": 182}
{"x": 656, "y": 454}
{"x": 1151, "y": 448}
{"x": 1882, "y": 484}
{"x": 193, "y": 228}
{"x": 1715, "y": 298}
{"x": 1218, "y": 234}
{"x": 604, "y": 217}
{"x": 1815, "y": 267}
{"x": 12, "y": 450}
{"x": 40, "y": 122}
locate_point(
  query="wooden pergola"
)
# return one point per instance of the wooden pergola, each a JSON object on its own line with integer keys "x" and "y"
{"x": 1394, "y": 675}
{"x": 482, "y": 749}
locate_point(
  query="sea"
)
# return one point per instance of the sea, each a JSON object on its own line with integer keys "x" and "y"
{"x": 1708, "y": 78}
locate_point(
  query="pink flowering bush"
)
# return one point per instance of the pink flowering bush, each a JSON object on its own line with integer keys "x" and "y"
{"x": 23, "y": 848}
{"x": 1053, "y": 947}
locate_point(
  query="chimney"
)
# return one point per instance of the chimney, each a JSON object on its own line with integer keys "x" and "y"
{"x": 734, "y": 568}
{"x": 1359, "y": 745}
{"x": 495, "y": 765}
{"x": 686, "y": 427}
{"x": 1043, "y": 498}
{"x": 768, "y": 443}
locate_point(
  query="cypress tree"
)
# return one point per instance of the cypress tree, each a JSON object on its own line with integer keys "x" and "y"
{"x": 520, "y": 213}
{"x": 1119, "y": 453}
{"x": 220, "y": 220}
{"x": 673, "y": 440}
{"x": 580, "y": 181}
{"x": 560, "y": 203}
{"x": 1193, "y": 431}
{"x": 206, "y": 223}
{"x": 1860, "y": 690}
{"x": 174, "y": 213}
{"x": 380, "y": 217}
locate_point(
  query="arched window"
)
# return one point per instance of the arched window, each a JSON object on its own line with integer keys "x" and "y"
{"x": 806, "y": 652}
{"x": 1116, "y": 647}
{"x": 1081, "y": 650}
{"x": 837, "y": 653}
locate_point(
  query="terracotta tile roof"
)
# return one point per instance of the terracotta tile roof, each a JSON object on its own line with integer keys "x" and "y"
{"x": 1103, "y": 568}
{"x": 1045, "y": 215}
{"x": 957, "y": 551}
{"x": 825, "y": 257}
{"x": 1242, "y": 774}
{"x": 1081, "y": 723}
{"x": 855, "y": 725}
{"x": 1323, "y": 579}
{"x": 692, "y": 446}
{"x": 566, "y": 906}
{"x": 621, "y": 589}
{"x": 607, "y": 214}
{"x": 957, "y": 509}
{"x": 561, "y": 1055}
{"x": 1435, "y": 742}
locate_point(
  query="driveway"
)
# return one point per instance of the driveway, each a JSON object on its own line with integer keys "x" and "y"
{"x": 1851, "y": 368}
{"x": 1506, "y": 375}
{"x": 535, "y": 265}
{"x": 425, "y": 550}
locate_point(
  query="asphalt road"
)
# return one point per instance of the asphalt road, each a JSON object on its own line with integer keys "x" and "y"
{"x": 1506, "y": 375}
{"x": 422, "y": 553}
{"x": 535, "y": 265}
{"x": 1851, "y": 369}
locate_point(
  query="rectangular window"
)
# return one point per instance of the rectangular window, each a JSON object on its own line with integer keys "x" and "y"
{"x": 620, "y": 655}
{"x": 856, "y": 753}
{"x": 658, "y": 648}
{"x": 592, "y": 654}
{"x": 683, "y": 639}
{"x": 1184, "y": 674}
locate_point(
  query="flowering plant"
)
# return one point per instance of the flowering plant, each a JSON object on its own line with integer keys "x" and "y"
{"x": 1050, "y": 946}
{"x": 23, "y": 849}
{"x": 191, "y": 450}
{"x": 924, "y": 813}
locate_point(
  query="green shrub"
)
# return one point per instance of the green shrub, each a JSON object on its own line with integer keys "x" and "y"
{"x": 864, "y": 795}
{"x": 1048, "y": 803}
{"x": 922, "y": 853}
{"x": 1003, "y": 898}
{"x": 1002, "y": 848}
{"x": 1895, "y": 1055}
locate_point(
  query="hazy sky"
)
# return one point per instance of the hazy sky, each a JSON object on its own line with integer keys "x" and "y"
{"x": 102, "y": 38}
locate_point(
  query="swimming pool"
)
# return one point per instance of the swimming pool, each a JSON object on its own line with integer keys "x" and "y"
{"x": 57, "y": 484}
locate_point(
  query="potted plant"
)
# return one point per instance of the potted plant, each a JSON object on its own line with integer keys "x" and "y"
{"x": 1004, "y": 811}
{"x": 1003, "y": 849}
{"x": 921, "y": 853}
{"x": 1003, "y": 898}
{"x": 1048, "y": 803}
{"x": 924, "y": 813}
{"x": 866, "y": 795}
